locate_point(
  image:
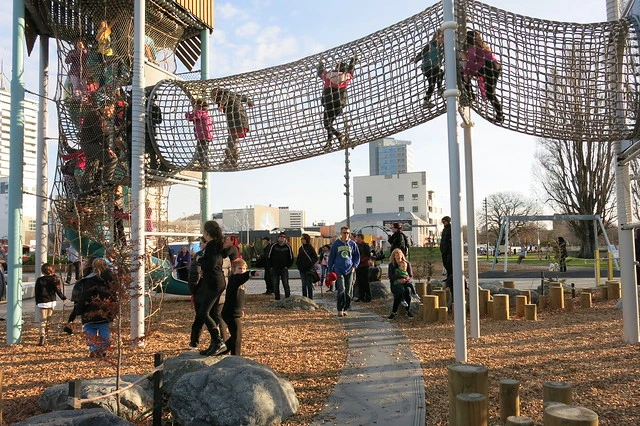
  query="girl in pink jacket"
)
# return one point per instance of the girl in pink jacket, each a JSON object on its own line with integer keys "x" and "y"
{"x": 203, "y": 129}
{"x": 482, "y": 64}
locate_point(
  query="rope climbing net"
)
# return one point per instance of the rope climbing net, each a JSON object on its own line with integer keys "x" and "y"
{"x": 550, "y": 79}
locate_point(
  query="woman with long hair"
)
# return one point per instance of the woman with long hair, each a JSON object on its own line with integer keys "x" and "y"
{"x": 212, "y": 285}
{"x": 400, "y": 274}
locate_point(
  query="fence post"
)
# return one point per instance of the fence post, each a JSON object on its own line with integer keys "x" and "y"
{"x": 157, "y": 390}
{"x": 73, "y": 401}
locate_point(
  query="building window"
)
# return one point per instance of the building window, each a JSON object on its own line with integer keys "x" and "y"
{"x": 414, "y": 197}
{"x": 415, "y": 209}
{"x": 32, "y": 225}
{"x": 369, "y": 199}
{"x": 401, "y": 209}
{"x": 369, "y": 210}
{"x": 414, "y": 184}
{"x": 400, "y": 197}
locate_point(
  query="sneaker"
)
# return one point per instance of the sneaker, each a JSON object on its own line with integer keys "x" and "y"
{"x": 327, "y": 146}
{"x": 344, "y": 313}
{"x": 410, "y": 315}
{"x": 67, "y": 329}
{"x": 41, "y": 342}
{"x": 404, "y": 303}
{"x": 192, "y": 347}
{"x": 499, "y": 117}
{"x": 392, "y": 316}
{"x": 428, "y": 104}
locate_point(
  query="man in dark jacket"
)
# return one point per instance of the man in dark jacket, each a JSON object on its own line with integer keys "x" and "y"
{"x": 398, "y": 239}
{"x": 266, "y": 246}
{"x": 445, "y": 250}
{"x": 362, "y": 271}
{"x": 279, "y": 260}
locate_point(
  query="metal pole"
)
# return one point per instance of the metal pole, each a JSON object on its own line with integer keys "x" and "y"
{"x": 347, "y": 193}
{"x": 206, "y": 212}
{"x": 138, "y": 213}
{"x": 623, "y": 195}
{"x": 16, "y": 158}
{"x": 42, "y": 182}
{"x": 472, "y": 255}
{"x": 449, "y": 26}
{"x": 486, "y": 224}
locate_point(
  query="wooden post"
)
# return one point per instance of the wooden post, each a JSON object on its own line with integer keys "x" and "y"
{"x": 556, "y": 294}
{"x": 484, "y": 296}
{"x": 544, "y": 302}
{"x": 604, "y": 292}
{"x": 509, "y": 398}
{"x": 430, "y": 308}
{"x": 585, "y": 299}
{"x": 73, "y": 400}
{"x": 519, "y": 421}
{"x": 443, "y": 314}
{"x": 501, "y": 306}
{"x": 420, "y": 311}
{"x": 557, "y": 391}
{"x": 526, "y": 293}
{"x": 568, "y": 304}
{"x": 472, "y": 409}
{"x": 421, "y": 288}
{"x": 157, "y": 390}
{"x": 465, "y": 378}
{"x": 614, "y": 290}
{"x": 442, "y": 297}
{"x": 490, "y": 308}
{"x": 1, "y": 407}
{"x": 569, "y": 415}
{"x": 530, "y": 312}
{"x": 550, "y": 403}
{"x": 520, "y": 302}
{"x": 509, "y": 284}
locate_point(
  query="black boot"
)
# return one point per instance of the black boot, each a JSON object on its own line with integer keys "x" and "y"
{"x": 216, "y": 346}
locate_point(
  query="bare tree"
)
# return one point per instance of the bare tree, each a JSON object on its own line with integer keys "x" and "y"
{"x": 578, "y": 178}
{"x": 501, "y": 204}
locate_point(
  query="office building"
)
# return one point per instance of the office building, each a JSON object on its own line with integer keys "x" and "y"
{"x": 388, "y": 156}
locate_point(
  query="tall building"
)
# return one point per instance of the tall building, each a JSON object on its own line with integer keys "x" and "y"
{"x": 388, "y": 156}
{"x": 29, "y": 163}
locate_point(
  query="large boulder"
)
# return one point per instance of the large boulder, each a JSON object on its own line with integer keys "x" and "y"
{"x": 234, "y": 391}
{"x": 295, "y": 302}
{"x": 85, "y": 417}
{"x": 133, "y": 401}
{"x": 186, "y": 362}
{"x": 380, "y": 290}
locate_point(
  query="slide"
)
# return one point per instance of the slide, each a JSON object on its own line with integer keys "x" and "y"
{"x": 161, "y": 272}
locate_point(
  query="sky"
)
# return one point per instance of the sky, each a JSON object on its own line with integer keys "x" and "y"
{"x": 254, "y": 34}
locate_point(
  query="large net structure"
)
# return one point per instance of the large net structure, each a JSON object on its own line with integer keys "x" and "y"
{"x": 555, "y": 80}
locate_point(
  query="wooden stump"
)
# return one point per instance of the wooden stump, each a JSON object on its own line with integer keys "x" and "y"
{"x": 526, "y": 293}
{"x": 557, "y": 392}
{"x": 585, "y": 300}
{"x": 614, "y": 290}
{"x": 472, "y": 410}
{"x": 420, "y": 311}
{"x": 443, "y": 314}
{"x": 556, "y": 295}
{"x": 484, "y": 297}
{"x": 442, "y": 297}
{"x": 604, "y": 292}
{"x": 509, "y": 284}
{"x": 519, "y": 421}
{"x": 569, "y": 415}
{"x": 430, "y": 308}
{"x": 520, "y": 302}
{"x": 530, "y": 312}
{"x": 490, "y": 308}
{"x": 544, "y": 302}
{"x": 465, "y": 378}
{"x": 421, "y": 289}
{"x": 568, "y": 304}
{"x": 501, "y": 306}
{"x": 509, "y": 398}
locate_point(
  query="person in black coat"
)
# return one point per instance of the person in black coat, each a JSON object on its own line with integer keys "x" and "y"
{"x": 212, "y": 285}
{"x": 398, "y": 239}
{"x": 279, "y": 260}
{"x": 307, "y": 258}
{"x": 97, "y": 305}
{"x": 446, "y": 252}
{"x": 193, "y": 281}
{"x": 233, "y": 308}
{"x": 46, "y": 288}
